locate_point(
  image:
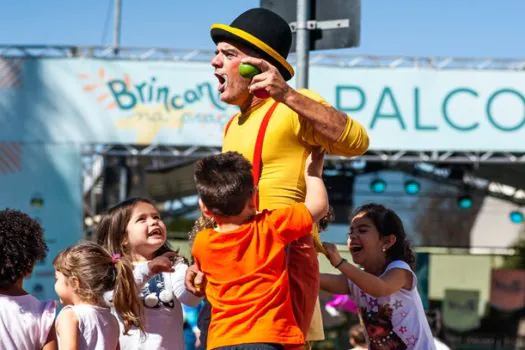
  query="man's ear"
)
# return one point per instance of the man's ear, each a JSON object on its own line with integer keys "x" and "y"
{"x": 205, "y": 211}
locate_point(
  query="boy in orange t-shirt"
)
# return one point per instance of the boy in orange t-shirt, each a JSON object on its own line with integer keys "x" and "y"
{"x": 244, "y": 257}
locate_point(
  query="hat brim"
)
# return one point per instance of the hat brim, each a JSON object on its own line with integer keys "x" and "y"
{"x": 222, "y": 32}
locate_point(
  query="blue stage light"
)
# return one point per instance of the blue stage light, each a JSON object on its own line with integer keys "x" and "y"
{"x": 516, "y": 217}
{"x": 378, "y": 186}
{"x": 412, "y": 187}
{"x": 465, "y": 202}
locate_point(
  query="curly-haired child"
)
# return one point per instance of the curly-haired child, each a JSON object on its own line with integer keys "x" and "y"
{"x": 25, "y": 322}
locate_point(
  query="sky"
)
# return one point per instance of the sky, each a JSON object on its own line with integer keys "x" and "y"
{"x": 469, "y": 28}
{"x": 458, "y": 28}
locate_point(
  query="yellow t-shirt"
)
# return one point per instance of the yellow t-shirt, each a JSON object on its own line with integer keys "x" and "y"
{"x": 287, "y": 143}
{"x": 288, "y": 140}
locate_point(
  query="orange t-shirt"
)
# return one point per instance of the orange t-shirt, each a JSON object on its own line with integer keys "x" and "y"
{"x": 248, "y": 285}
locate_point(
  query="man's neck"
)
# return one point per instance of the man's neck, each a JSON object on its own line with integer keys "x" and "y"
{"x": 251, "y": 103}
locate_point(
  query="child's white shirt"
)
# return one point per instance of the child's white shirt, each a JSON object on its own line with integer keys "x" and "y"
{"x": 161, "y": 295}
{"x": 396, "y": 321}
{"x": 97, "y": 327}
{"x": 25, "y": 321}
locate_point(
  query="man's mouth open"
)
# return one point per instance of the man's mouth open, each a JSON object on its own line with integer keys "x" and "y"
{"x": 223, "y": 82}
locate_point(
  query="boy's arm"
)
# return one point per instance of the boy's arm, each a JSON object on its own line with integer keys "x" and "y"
{"x": 316, "y": 200}
{"x": 295, "y": 221}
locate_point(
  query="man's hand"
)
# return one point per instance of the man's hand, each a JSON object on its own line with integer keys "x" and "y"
{"x": 332, "y": 253}
{"x": 195, "y": 281}
{"x": 269, "y": 79}
{"x": 163, "y": 263}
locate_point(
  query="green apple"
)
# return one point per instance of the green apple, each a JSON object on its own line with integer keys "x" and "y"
{"x": 248, "y": 71}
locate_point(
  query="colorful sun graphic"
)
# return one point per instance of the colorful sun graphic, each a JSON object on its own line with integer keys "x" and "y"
{"x": 148, "y": 121}
{"x": 93, "y": 86}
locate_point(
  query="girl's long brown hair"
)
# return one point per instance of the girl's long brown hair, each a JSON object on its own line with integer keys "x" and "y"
{"x": 93, "y": 271}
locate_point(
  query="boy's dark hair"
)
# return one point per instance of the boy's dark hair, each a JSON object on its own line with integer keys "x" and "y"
{"x": 21, "y": 246}
{"x": 387, "y": 222}
{"x": 224, "y": 182}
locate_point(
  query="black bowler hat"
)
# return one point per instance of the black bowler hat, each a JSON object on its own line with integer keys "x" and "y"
{"x": 262, "y": 30}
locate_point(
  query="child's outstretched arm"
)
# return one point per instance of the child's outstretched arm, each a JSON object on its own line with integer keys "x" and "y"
{"x": 67, "y": 330}
{"x": 143, "y": 272}
{"x": 390, "y": 282}
{"x": 316, "y": 200}
{"x": 179, "y": 287}
{"x": 335, "y": 284}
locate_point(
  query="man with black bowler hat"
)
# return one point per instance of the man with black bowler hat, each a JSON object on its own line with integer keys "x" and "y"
{"x": 277, "y": 134}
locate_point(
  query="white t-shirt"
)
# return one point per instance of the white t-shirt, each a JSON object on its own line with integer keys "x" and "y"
{"x": 396, "y": 321}
{"x": 162, "y": 295}
{"x": 25, "y": 322}
{"x": 97, "y": 326}
{"x": 440, "y": 345}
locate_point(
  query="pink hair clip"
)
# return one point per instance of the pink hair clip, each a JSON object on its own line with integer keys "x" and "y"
{"x": 115, "y": 257}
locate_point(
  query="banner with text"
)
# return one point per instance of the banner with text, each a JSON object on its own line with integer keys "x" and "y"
{"x": 177, "y": 103}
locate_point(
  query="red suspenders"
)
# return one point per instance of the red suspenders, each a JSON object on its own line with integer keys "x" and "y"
{"x": 257, "y": 152}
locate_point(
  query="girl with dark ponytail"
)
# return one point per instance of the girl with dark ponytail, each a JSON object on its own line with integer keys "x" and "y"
{"x": 385, "y": 286}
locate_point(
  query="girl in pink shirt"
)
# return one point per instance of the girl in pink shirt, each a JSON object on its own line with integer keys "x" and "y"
{"x": 25, "y": 322}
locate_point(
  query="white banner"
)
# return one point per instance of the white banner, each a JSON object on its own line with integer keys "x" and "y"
{"x": 176, "y": 103}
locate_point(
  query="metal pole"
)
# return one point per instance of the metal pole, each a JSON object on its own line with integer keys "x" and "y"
{"x": 116, "y": 21}
{"x": 303, "y": 43}
{"x": 123, "y": 180}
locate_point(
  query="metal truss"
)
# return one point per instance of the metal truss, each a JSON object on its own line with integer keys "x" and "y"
{"x": 152, "y": 150}
{"x": 400, "y": 160}
{"x": 443, "y": 157}
{"x": 163, "y": 151}
{"x": 316, "y": 58}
